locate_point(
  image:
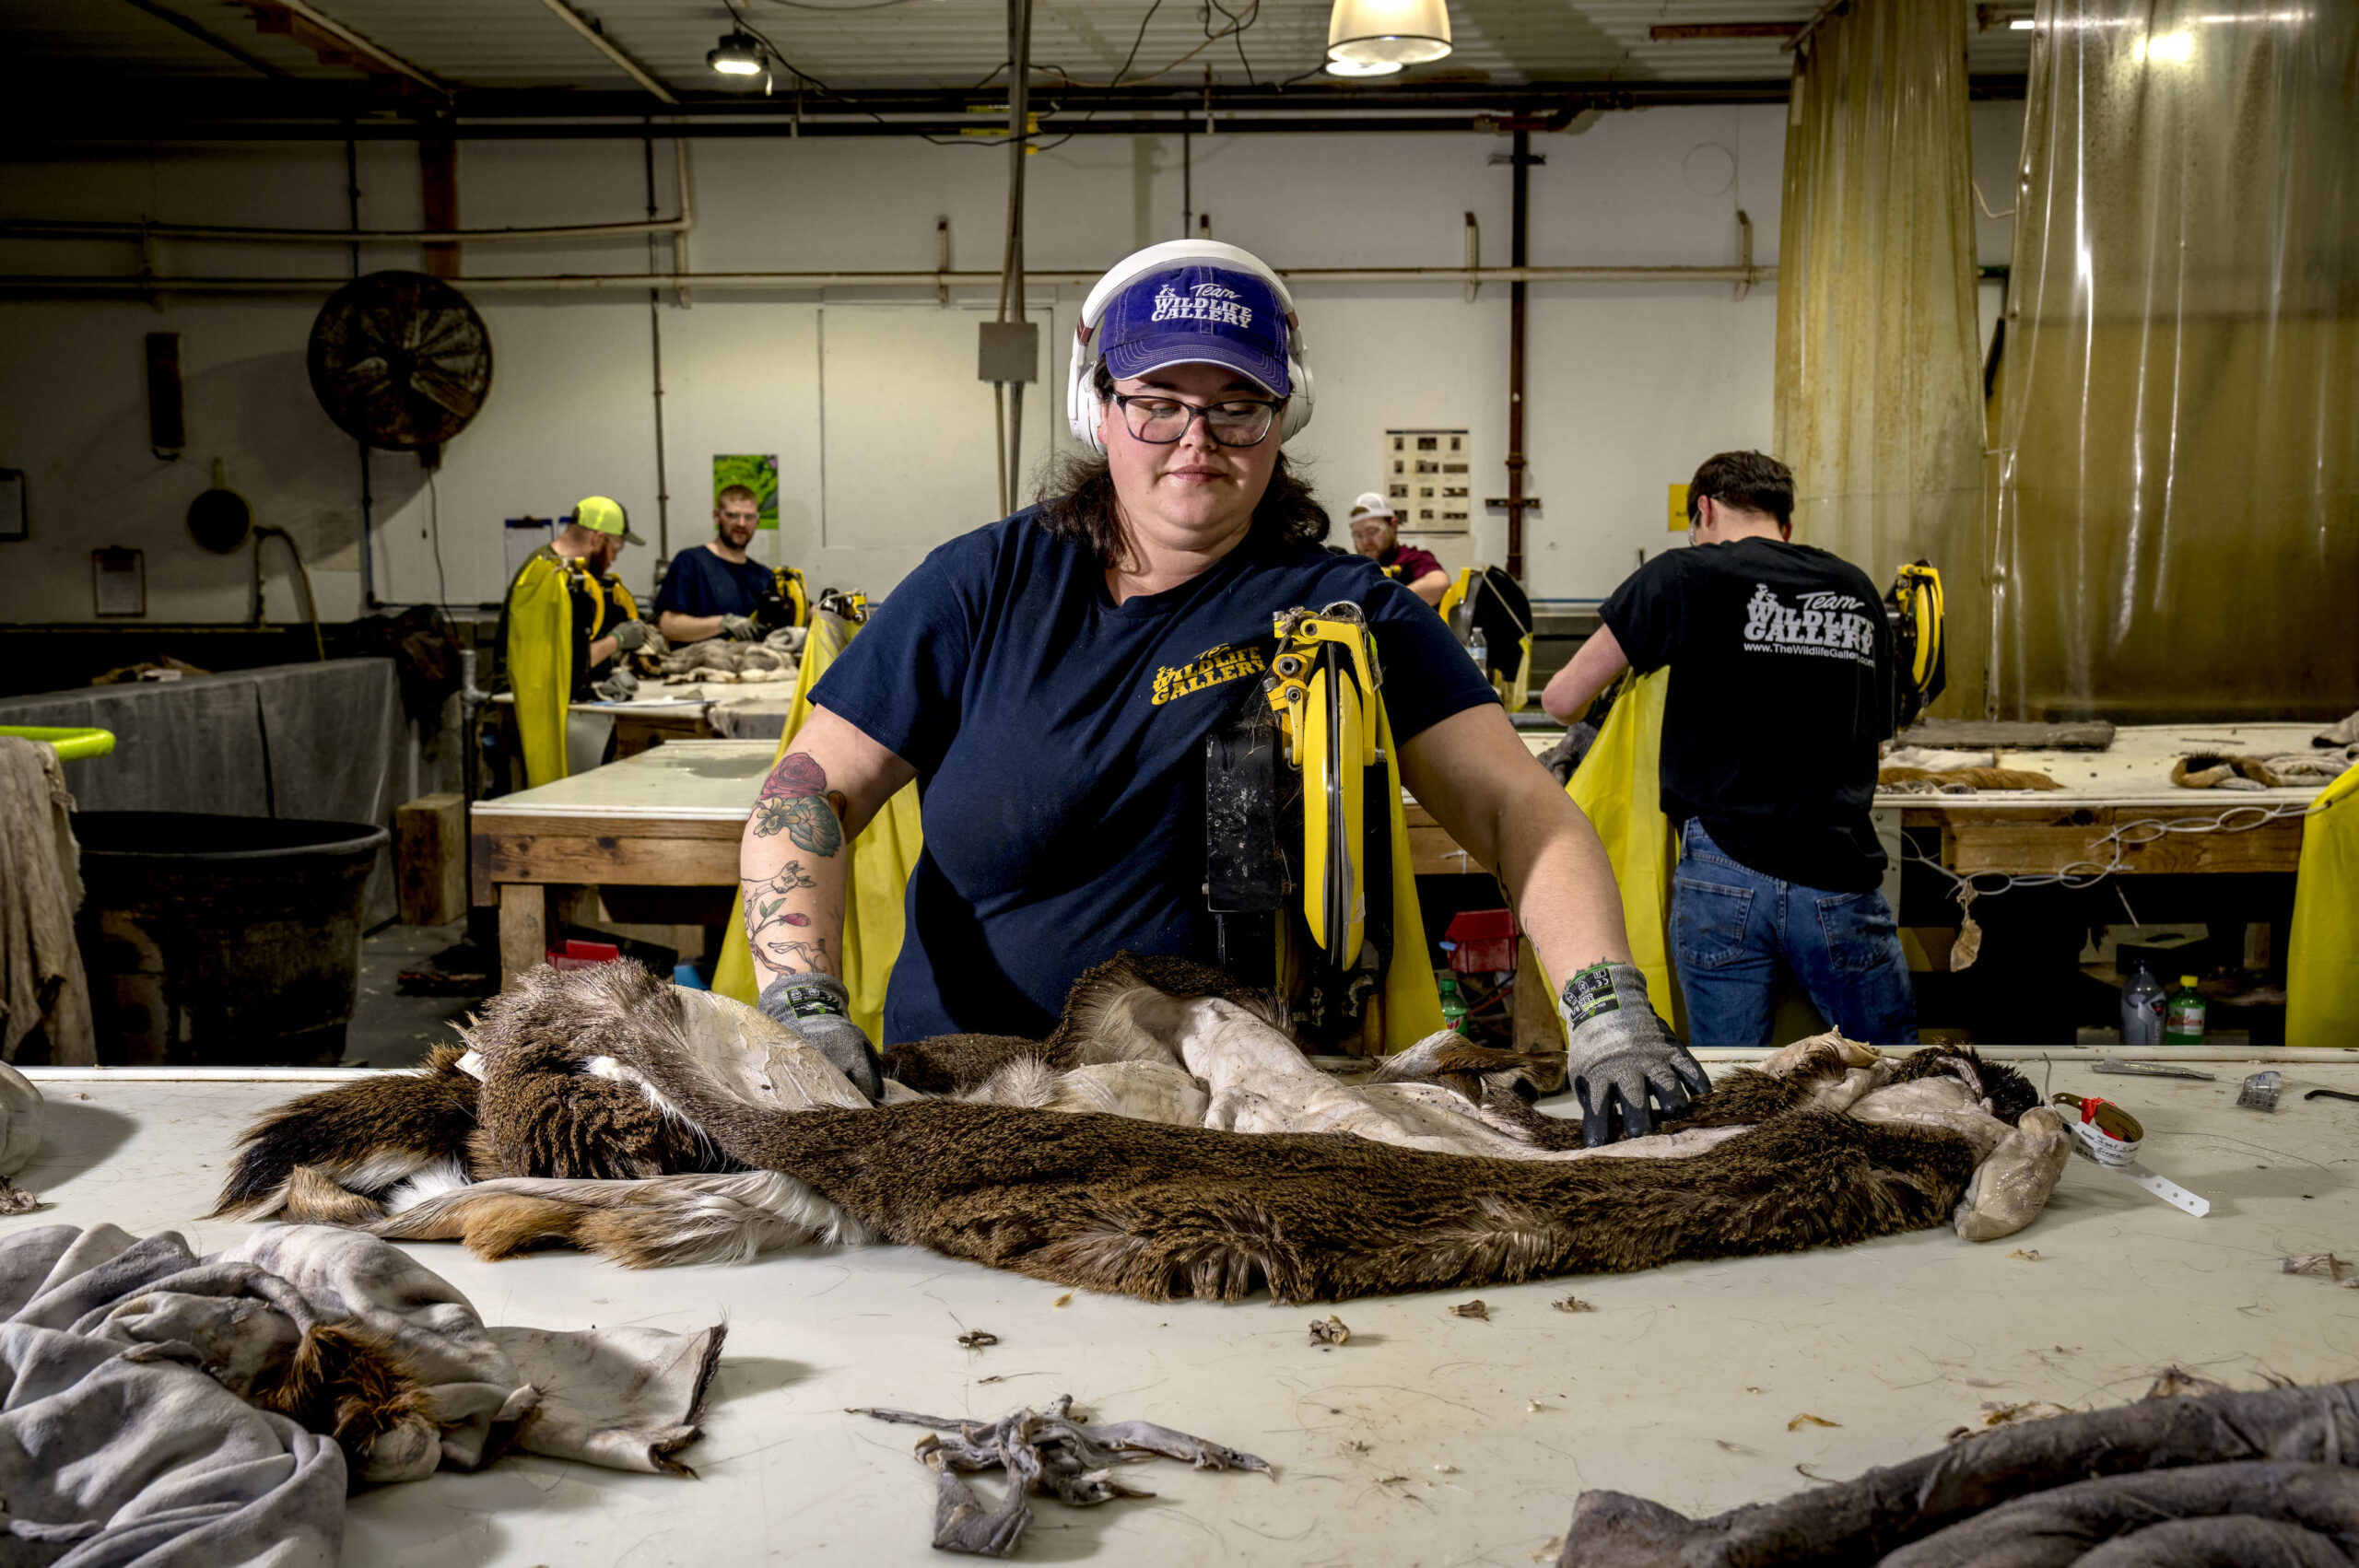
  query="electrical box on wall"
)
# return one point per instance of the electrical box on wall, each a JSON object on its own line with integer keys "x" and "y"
{"x": 1426, "y": 479}
{"x": 1010, "y": 351}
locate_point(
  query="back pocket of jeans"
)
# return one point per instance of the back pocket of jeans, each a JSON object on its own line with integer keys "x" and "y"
{"x": 1860, "y": 930}
{"x": 1708, "y": 922}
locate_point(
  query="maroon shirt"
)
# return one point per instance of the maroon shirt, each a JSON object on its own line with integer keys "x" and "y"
{"x": 1406, "y": 563}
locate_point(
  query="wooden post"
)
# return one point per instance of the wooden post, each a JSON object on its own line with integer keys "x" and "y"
{"x": 523, "y": 929}
{"x": 430, "y": 860}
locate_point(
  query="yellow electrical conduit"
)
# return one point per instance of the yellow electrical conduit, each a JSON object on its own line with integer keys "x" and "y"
{"x": 72, "y": 745}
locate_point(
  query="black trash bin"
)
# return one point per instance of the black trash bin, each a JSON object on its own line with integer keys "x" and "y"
{"x": 222, "y": 941}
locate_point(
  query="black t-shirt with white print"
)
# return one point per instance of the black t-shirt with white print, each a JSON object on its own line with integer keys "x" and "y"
{"x": 1780, "y": 689}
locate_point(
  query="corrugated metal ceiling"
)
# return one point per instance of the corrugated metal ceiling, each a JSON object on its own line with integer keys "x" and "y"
{"x": 930, "y": 43}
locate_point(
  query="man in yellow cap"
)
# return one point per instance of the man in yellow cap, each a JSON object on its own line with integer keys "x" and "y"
{"x": 562, "y": 627}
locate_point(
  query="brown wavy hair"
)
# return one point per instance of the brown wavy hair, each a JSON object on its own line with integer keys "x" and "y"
{"x": 1076, "y": 501}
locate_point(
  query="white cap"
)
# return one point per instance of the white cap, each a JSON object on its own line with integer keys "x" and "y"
{"x": 1370, "y": 505}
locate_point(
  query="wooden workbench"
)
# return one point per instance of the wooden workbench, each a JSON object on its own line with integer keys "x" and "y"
{"x": 669, "y": 817}
{"x": 1428, "y": 1439}
{"x": 2028, "y": 832}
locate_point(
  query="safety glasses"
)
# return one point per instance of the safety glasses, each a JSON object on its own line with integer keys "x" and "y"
{"x": 1233, "y": 422}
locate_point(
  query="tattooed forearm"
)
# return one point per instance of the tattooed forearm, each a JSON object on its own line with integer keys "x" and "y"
{"x": 780, "y": 937}
{"x": 796, "y": 800}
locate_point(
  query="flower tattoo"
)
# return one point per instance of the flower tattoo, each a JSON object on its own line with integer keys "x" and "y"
{"x": 795, "y": 800}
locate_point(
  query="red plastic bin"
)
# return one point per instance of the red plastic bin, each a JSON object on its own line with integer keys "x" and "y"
{"x": 1482, "y": 941}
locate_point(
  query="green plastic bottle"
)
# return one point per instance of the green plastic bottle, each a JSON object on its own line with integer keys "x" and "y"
{"x": 2183, "y": 1015}
{"x": 1453, "y": 1010}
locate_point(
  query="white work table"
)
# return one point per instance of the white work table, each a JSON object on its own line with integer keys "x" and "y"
{"x": 1428, "y": 1439}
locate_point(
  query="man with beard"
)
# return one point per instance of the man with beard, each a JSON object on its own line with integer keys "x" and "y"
{"x": 712, "y": 588}
{"x": 1375, "y": 533}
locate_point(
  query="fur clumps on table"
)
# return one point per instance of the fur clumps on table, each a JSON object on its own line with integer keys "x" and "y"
{"x": 1044, "y": 1453}
{"x": 2171, "y": 1481}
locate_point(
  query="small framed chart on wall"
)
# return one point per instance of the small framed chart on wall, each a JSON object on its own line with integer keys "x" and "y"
{"x": 1428, "y": 479}
{"x": 118, "y": 582}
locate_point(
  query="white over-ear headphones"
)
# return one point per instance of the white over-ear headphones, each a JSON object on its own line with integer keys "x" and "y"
{"x": 1084, "y": 408}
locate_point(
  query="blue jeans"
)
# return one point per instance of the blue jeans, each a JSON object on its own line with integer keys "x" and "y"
{"x": 1732, "y": 928}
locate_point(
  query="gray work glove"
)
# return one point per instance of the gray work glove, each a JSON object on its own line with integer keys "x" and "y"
{"x": 818, "y": 1007}
{"x": 629, "y": 635}
{"x": 739, "y": 628}
{"x": 1618, "y": 1053}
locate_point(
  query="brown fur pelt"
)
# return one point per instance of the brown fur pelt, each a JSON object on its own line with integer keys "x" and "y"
{"x": 545, "y": 1112}
{"x": 587, "y": 1075}
{"x": 1166, "y": 1212}
{"x": 345, "y": 1382}
{"x": 367, "y": 1137}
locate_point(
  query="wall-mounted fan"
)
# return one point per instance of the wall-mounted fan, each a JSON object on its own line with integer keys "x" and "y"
{"x": 400, "y": 360}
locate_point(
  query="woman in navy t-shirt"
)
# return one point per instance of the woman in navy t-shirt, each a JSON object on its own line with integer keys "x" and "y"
{"x": 1049, "y": 681}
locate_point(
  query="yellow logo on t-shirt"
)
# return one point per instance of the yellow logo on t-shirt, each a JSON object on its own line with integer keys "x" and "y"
{"x": 1210, "y": 668}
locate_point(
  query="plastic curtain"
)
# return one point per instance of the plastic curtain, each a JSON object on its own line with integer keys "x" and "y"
{"x": 882, "y": 859}
{"x": 1880, "y": 410}
{"x": 2177, "y": 531}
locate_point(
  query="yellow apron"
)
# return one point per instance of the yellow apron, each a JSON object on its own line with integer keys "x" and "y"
{"x": 540, "y": 653}
{"x": 875, "y": 883}
{"x": 1618, "y": 786}
{"x": 2322, "y": 953}
{"x": 540, "y": 662}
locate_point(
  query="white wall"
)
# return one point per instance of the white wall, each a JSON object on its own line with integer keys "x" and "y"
{"x": 869, "y": 399}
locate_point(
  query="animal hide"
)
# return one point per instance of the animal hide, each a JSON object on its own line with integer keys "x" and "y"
{"x": 605, "y": 1109}
{"x": 2252, "y": 1478}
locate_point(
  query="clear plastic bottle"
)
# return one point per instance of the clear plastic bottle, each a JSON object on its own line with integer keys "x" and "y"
{"x": 1453, "y": 1008}
{"x": 2183, "y": 1015}
{"x": 1478, "y": 650}
{"x": 2142, "y": 1009}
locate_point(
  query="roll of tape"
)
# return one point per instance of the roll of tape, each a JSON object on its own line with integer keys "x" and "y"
{"x": 2103, "y": 1132}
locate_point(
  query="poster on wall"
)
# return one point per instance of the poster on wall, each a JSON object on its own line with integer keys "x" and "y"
{"x": 1426, "y": 479}
{"x": 758, "y": 473}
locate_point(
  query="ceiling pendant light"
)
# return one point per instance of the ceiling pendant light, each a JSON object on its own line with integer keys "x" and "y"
{"x": 1364, "y": 68}
{"x": 1387, "y": 32}
{"x": 738, "y": 55}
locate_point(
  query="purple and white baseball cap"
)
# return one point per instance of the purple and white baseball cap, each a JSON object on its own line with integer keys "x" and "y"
{"x": 1198, "y": 315}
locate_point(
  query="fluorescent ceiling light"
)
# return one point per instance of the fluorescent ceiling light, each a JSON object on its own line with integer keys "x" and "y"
{"x": 2022, "y": 24}
{"x": 1387, "y": 32}
{"x": 1364, "y": 68}
{"x": 738, "y": 55}
{"x": 2169, "y": 48}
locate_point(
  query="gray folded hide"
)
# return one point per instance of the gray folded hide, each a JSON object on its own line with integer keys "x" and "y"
{"x": 2168, "y": 1482}
{"x": 163, "y": 1408}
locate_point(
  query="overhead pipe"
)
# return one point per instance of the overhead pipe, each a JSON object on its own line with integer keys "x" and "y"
{"x": 1007, "y": 398}
{"x": 781, "y": 125}
{"x": 360, "y": 44}
{"x": 68, "y": 228}
{"x": 606, "y": 46}
{"x": 1518, "y": 232}
{"x": 569, "y": 282}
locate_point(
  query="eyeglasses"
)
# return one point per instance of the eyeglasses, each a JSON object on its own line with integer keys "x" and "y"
{"x": 1236, "y": 422}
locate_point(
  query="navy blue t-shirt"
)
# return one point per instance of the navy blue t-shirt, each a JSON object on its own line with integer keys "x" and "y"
{"x": 701, "y": 584}
{"x": 1059, "y": 741}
